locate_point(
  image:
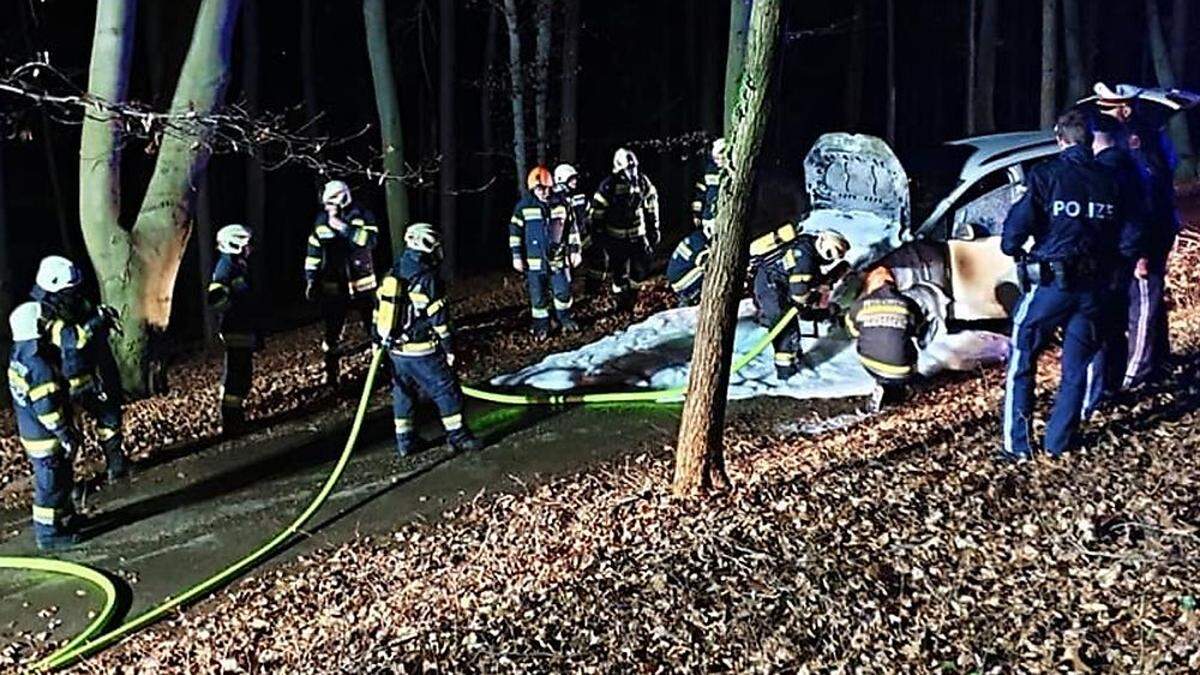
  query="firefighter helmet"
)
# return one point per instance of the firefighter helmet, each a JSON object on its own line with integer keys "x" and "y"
{"x": 233, "y": 239}
{"x": 564, "y": 173}
{"x": 539, "y": 176}
{"x": 56, "y": 273}
{"x": 831, "y": 245}
{"x": 337, "y": 193}
{"x": 26, "y": 322}
{"x": 421, "y": 237}
{"x": 718, "y": 151}
{"x": 624, "y": 159}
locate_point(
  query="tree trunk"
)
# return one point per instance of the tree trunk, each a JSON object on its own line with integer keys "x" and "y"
{"x": 985, "y": 73}
{"x": 1179, "y": 42}
{"x": 447, "y": 134}
{"x": 712, "y": 105}
{"x": 568, "y": 129}
{"x": 388, "y": 107}
{"x": 735, "y": 59}
{"x": 699, "y": 461}
{"x": 856, "y": 66}
{"x": 1049, "y": 107}
{"x": 1180, "y": 137}
{"x": 972, "y": 58}
{"x": 488, "y": 126}
{"x": 6, "y": 285}
{"x": 517, "y": 78}
{"x": 1072, "y": 34}
{"x": 545, "y": 14}
{"x": 891, "y": 73}
{"x": 256, "y": 188}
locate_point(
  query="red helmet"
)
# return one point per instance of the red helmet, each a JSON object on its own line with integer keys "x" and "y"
{"x": 540, "y": 175}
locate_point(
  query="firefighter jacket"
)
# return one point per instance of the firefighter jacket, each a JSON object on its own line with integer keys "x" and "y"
{"x": 704, "y": 201}
{"x": 627, "y": 209}
{"x": 229, "y": 297}
{"x": 39, "y": 399}
{"x": 77, "y": 331}
{"x": 343, "y": 262}
{"x": 800, "y": 268}
{"x": 411, "y": 317}
{"x": 540, "y": 233}
{"x": 578, "y": 221}
{"x": 685, "y": 269}
{"x": 887, "y": 325}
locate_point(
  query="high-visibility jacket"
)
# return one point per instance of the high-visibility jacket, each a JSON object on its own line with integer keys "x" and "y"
{"x": 343, "y": 262}
{"x": 411, "y": 313}
{"x": 38, "y": 395}
{"x": 685, "y": 269}
{"x": 540, "y": 233}
{"x": 229, "y": 297}
{"x": 800, "y": 268}
{"x": 887, "y": 324}
{"x": 704, "y": 201}
{"x": 625, "y": 209}
{"x": 578, "y": 218}
{"x": 77, "y": 331}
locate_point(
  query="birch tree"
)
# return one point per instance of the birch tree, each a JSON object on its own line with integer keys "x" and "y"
{"x": 388, "y": 105}
{"x": 517, "y": 81}
{"x": 700, "y": 460}
{"x": 137, "y": 266}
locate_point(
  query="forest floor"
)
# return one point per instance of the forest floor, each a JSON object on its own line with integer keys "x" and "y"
{"x": 897, "y": 544}
{"x": 491, "y": 320}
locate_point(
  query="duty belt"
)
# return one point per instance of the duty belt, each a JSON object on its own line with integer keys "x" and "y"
{"x": 1064, "y": 274}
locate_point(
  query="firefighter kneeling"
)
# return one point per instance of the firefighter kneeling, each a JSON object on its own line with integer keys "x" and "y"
{"x": 411, "y": 324}
{"x": 887, "y": 325}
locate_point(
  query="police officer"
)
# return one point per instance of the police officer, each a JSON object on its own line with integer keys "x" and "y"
{"x": 44, "y": 424}
{"x": 704, "y": 202}
{"x": 888, "y": 327}
{"x": 1071, "y": 210}
{"x": 229, "y": 297}
{"x": 1106, "y": 372}
{"x": 625, "y": 215}
{"x": 80, "y": 331}
{"x": 411, "y": 324}
{"x": 542, "y": 244}
{"x": 685, "y": 269}
{"x": 800, "y": 278}
{"x": 339, "y": 267}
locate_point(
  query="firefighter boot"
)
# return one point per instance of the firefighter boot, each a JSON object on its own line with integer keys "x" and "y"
{"x": 568, "y": 324}
{"x": 406, "y": 444}
{"x": 233, "y": 419}
{"x": 331, "y": 368}
{"x": 115, "y": 460}
{"x": 59, "y": 541}
{"x": 464, "y": 441}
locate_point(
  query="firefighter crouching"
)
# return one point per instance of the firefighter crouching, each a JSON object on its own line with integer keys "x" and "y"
{"x": 625, "y": 217}
{"x": 39, "y": 399}
{"x": 339, "y": 267}
{"x": 685, "y": 269}
{"x": 79, "y": 331}
{"x": 411, "y": 324}
{"x": 889, "y": 327}
{"x": 796, "y": 279}
{"x": 542, "y": 243}
{"x": 229, "y": 297}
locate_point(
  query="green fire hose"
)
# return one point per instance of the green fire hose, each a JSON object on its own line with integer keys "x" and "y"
{"x": 92, "y": 640}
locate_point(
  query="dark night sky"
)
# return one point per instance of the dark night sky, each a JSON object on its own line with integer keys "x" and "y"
{"x": 643, "y": 65}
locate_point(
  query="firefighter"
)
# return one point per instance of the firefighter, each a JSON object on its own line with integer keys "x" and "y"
{"x": 685, "y": 269}
{"x": 802, "y": 277}
{"x": 411, "y": 324}
{"x": 888, "y": 327}
{"x": 44, "y": 424}
{"x": 566, "y": 186}
{"x": 542, "y": 245}
{"x": 229, "y": 297}
{"x": 1072, "y": 212}
{"x": 339, "y": 268}
{"x": 625, "y": 216}
{"x": 80, "y": 332}
{"x": 704, "y": 203}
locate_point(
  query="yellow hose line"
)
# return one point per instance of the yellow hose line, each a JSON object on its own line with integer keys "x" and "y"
{"x": 648, "y": 395}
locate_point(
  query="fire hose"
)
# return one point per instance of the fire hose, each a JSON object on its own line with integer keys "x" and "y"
{"x": 91, "y": 640}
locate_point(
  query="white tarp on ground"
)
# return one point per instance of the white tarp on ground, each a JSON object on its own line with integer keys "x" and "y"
{"x": 656, "y": 352}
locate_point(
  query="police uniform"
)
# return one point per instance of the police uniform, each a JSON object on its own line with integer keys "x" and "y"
{"x": 704, "y": 200}
{"x": 1107, "y": 369}
{"x": 1071, "y": 210}
{"x": 793, "y": 279}
{"x": 540, "y": 233}
{"x": 625, "y": 216}
{"x": 81, "y": 336}
{"x": 411, "y": 321}
{"x": 685, "y": 269}
{"x": 229, "y": 296}
{"x": 340, "y": 268}
{"x": 43, "y": 422}
{"x": 1149, "y": 334}
{"x": 887, "y": 324}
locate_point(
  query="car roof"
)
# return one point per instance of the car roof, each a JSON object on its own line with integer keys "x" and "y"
{"x": 997, "y": 150}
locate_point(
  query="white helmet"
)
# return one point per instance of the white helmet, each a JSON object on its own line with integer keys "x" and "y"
{"x": 624, "y": 159}
{"x": 337, "y": 193}
{"x": 233, "y": 239}
{"x": 718, "y": 151}
{"x": 564, "y": 173}
{"x": 831, "y": 245}
{"x": 26, "y": 321}
{"x": 421, "y": 237}
{"x": 56, "y": 273}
